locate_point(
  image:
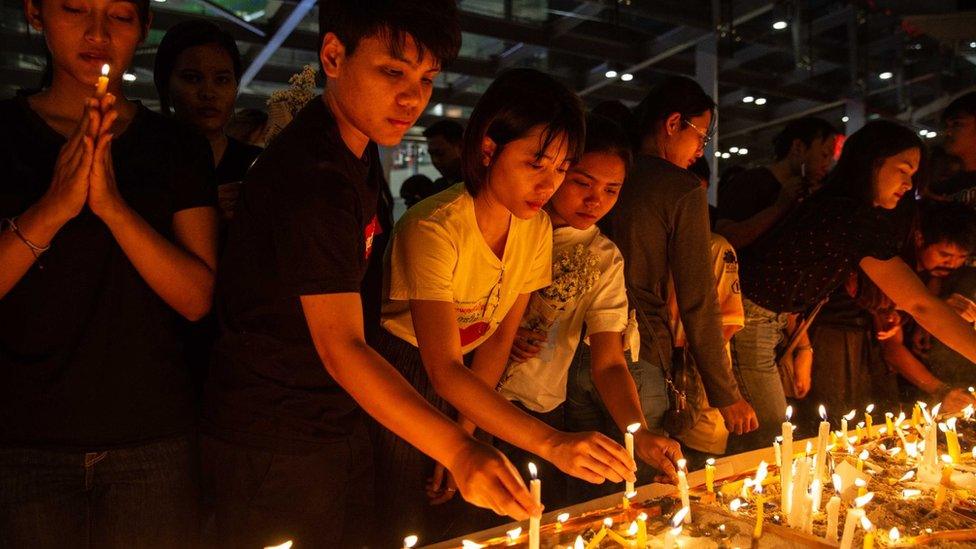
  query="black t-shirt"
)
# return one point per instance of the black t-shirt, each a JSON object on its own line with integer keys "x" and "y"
{"x": 813, "y": 251}
{"x": 90, "y": 355}
{"x": 304, "y": 225}
{"x": 238, "y": 157}
{"x": 960, "y": 188}
{"x": 747, "y": 194}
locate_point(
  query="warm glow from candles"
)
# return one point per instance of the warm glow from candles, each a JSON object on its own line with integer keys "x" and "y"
{"x": 514, "y": 533}
{"x": 409, "y": 541}
{"x": 563, "y": 517}
{"x": 735, "y": 504}
{"x": 894, "y": 534}
{"x": 789, "y": 412}
{"x": 533, "y": 471}
{"x": 468, "y": 544}
{"x": 863, "y": 500}
{"x": 633, "y": 428}
{"x": 823, "y": 412}
{"x": 287, "y": 544}
{"x": 608, "y": 522}
{"x": 632, "y": 531}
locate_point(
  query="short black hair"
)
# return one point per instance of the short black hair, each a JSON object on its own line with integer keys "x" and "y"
{"x": 675, "y": 94}
{"x": 615, "y": 110}
{"x": 864, "y": 152}
{"x": 964, "y": 105}
{"x": 181, "y": 37}
{"x": 451, "y": 130}
{"x": 434, "y": 25}
{"x": 606, "y": 135}
{"x": 951, "y": 222}
{"x": 805, "y": 129}
{"x": 517, "y": 101}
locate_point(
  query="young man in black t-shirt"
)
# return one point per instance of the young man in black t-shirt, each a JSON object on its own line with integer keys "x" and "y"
{"x": 286, "y": 449}
{"x": 754, "y": 201}
{"x": 959, "y": 119}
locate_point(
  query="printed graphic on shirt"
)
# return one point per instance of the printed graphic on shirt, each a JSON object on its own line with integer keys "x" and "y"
{"x": 735, "y": 287}
{"x": 731, "y": 262}
{"x": 372, "y": 230}
{"x": 470, "y": 318}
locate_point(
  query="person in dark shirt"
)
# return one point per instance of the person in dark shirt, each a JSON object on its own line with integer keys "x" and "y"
{"x": 754, "y": 201}
{"x": 959, "y": 120}
{"x": 286, "y": 445}
{"x": 660, "y": 225}
{"x": 845, "y": 225}
{"x": 444, "y": 142}
{"x": 416, "y": 188}
{"x": 197, "y": 70}
{"x": 108, "y": 245}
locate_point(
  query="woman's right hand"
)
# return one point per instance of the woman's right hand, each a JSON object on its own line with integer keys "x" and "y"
{"x": 68, "y": 192}
{"x": 957, "y": 399}
{"x": 487, "y": 479}
{"x": 592, "y": 456}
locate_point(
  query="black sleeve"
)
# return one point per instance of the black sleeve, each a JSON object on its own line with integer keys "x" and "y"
{"x": 745, "y": 196}
{"x": 194, "y": 180}
{"x": 318, "y": 235}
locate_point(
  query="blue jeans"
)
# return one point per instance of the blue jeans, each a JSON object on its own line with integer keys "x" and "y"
{"x": 142, "y": 496}
{"x": 585, "y": 411}
{"x": 754, "y": 364}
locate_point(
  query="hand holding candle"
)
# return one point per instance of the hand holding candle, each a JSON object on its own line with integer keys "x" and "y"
{"x": 629, "y": 445}
{"x": 535, "y": 487}
{"x": 683, "y": 488}
{"x": 786, "y": 470}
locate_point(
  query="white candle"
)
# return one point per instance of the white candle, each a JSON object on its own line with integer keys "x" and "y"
{"x": 822, "y": 445}
{"x": 798, "y": 510}
{"x": 629, "y": 444}
{"x": 853, "y": 517}
{"x": 833, "y": 514}
{"x": 683, "y": 489}
{"x": 786, "y": 469}
{"x": 535, "y": 487}
{"x": 672, "y": 533}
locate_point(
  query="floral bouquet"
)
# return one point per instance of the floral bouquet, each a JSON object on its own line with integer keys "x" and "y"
{"x": 285, "y": 104}
{"x": 574, "y": 272}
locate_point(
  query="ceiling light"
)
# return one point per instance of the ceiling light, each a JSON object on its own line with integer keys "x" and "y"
{"x": 748, "y": 99}
{"x": 160, "y": 1}
{"x": 780, "y": 25}
{"x": 930, "y": 135}
{"x": 760, "y": 100}
{"x": 845, "y": 119}
{"x": 733, "y": 149}
{"x": 972, "y": 44}
{"x": 611, "y": 74}
{"x": 718, "y": 154}
{"x": 923, "y": 132}
{"x": 626, "y": 77}
{"x": 743, "y": 150}
{"x": 726, "y": 155}
{"x": 128, "y": 77}
{"x": 886, "y": 75}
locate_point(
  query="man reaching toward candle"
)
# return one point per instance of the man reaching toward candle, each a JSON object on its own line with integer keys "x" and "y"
{"x": 287, "y": 446}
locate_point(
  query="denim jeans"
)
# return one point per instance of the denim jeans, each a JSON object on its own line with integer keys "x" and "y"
{"x": 585, "y": 411}
{"x": 754, "y": 364}
{"x": 141, "y": 496}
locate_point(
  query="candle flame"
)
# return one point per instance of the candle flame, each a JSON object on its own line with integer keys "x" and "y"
{"x": 863, "y": 500}
{"x": 682, "y": 463}
{"x": 823, "y": 412}
{"x": 632, "y": 531}
{"x": 900, "y": 420}
{"x": 860, "y": 482}
{"x": 895, "y": 451}
{"x": 809, "y": 447}
{"x": 468, "y": 544}
{"x": 533, "y": 471}
{"x": 580, "y": 544}
{"x": 679, "y": 517}
{"x": 287, "y": 544}
{"x": 951, "y": 423}
{"x": 105, "y": 69}
{"x": 863, "y": 455}
{"x": 910, "y": 493}
{"x": 907, "y": 476}
{"x": 838, "y": 482}
{"x": 642, "y": 516}
{"x": 860, "y": 424}
{"x": 676, "y": 531}
{"x": 947, "y": 459}
{"x": 789, "y": 413}
{"x": 870, "y": 408}
{"x": 761, "y": 472}
{"x": 943, "y": 427}
{"x": 866, "y": 523}
{"x": 735, "y": 504}
{"x": 889, "y": 415}
{"x": 514, "y": 533}
{"x": 710, "y": 461}
{"x": 633, "y": 428}
{"x": 894, "y": 534}
{"x": 608, "y": 522}
{"x": 850, "y": 415}
{"x": 936, "y": 408}
{"x": 631, "y": 495}
{"x": 968, "y": 411}
{"x": 563, "y": 517}
{"x": 410, "y": 541}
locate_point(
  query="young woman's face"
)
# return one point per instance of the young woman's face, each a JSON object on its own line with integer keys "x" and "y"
{"x": 203, "y": 87}
{"x": 686, "y": 143}
{"x": 590, "y": 190}
{"x": 894, "y": 178}
{"x": 83, "y": 35}
{"x": 522, "y": 177}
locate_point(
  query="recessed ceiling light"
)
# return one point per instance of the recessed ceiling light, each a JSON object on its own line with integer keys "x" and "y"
{"x": 160, "y": 1}
{"x": 930, "y": 135}
{"x": 626, "y": 77}
{"x": 611, "y": 74}
{"x": 923, "y": 132}
{"x": 748, "y": 99}
{"x": 128, "y": 77}
{"x": 845, "y": 119}
{"x": 733, "y": 149}
{"x": 780, "y": 25}
{"x": 718, "y": 154}
{"x": 743, "y": 150}
{"x": 972, "y": 44}
{"x": 760, "y": 100}
{"x": 726, "y": 155}
{"x": 886, "y": 75}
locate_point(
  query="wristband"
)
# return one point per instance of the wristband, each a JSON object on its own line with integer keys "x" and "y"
{"x": 34, "y": 248}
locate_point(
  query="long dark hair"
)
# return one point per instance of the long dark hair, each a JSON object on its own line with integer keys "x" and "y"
{"x": 864, "y": 152}
{"x": 181, "y": 37}
{"x": 675, "y": 94}
{"x": 606, "y": 136}
{"x": 517, "y": 101}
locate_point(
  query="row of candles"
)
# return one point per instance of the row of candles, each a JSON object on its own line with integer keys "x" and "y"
{"x": 801, "y": 489}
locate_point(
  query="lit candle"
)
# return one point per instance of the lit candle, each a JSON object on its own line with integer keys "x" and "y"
{"x": 786, "y": 469}
{"x": 822, "y": 445}
{"x": 862, "y": 486}
{"x": 409, "y": 542}
{"x": 916, "y": 414}
{"x": 893, "y": 537}
{"x": 861, "y": 458}
{"x": 560, "y": 520}
{"x": 843, "y": 422}
{"x": 797, "y": 516}
{"x": 285, "y": 545}
{"x": 710, "y": 475}
{"x": 595, "y": 540}
{"x": 945, "y": 483}
{"x": 868, "y": 532}
{"x": 760, "y": 509}
{"x": 853, "y": 516}
{"x": 816, "y": 490}
{"x": 868, "y": 420}
{"x": 514, "y": 533}
{"x": 952, "y": 440}
{"x": 580, "y": 544}
{"x": 101, "y": 87}
{"x": 629, "y": 444}
{"x": 672, "y": 533}
{"x": 642, "y": 530}
{"x": 833, "y": 513}
{"x": 683, "y": 489}
{"x": 535, "y": 487}
{"x": 889, "y": 424}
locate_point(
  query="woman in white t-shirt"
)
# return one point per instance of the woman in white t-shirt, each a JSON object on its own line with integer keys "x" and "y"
{"x": 588, "y": 288}
{"x": 459, "y": 271}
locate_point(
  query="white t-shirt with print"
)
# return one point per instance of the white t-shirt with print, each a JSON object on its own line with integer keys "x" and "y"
{"x": 439, "y": 254}
{"x": 540, "y": 383}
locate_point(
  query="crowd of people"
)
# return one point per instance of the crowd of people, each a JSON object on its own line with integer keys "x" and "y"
{"x": 203, "y": 342}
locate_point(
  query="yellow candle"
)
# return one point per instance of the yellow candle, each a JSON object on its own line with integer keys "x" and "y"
{"x": 642, "y": 530}
{"x": 595, "y": 541}
{"x": 869, "y": 540}
{"x": 952, "y": 440}
{"x": 916, "y": 415}
{"x": 860, "y": 459}
{"x": 760, "y": 501}
{"x": 868, "y": 420}
{"x": 860, "y": 431}
{"x": 889, "y": 424}
{"x": 710, "y": 475}
{"x": 101, "y": 87}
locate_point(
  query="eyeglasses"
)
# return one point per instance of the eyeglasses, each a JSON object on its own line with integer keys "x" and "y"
{"x": 705, "y": 137}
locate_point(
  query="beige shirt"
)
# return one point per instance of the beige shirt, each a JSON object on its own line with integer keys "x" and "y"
{"x": 439, "y": 254}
